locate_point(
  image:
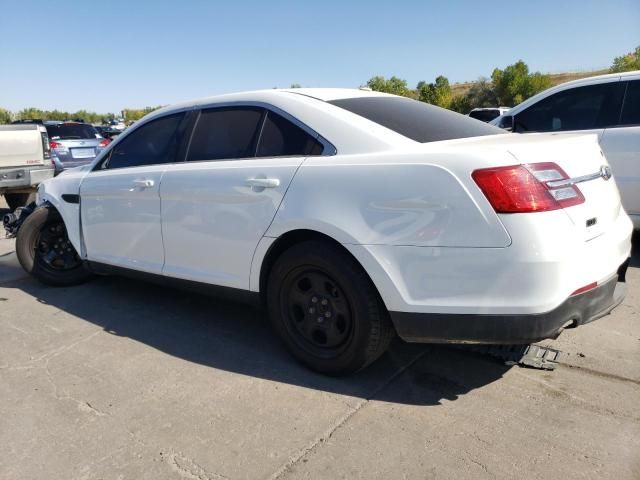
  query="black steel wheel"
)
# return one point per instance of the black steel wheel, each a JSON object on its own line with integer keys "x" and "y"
{"x": 44, "y": 250}
{"x": 326, "y": 309}
{"x": 53, "y": 250}
{"x": 317, "y": 311}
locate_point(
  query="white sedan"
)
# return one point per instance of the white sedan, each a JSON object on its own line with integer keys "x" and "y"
{"x": 352, "y": 215}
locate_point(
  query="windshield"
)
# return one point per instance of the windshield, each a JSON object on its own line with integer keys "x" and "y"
{"x": 71, "y": 131}
{"x": 416, "y": 120}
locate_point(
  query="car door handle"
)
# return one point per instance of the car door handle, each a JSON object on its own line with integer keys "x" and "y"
{"x": 263, "y": 182}
{"x": 142, "y": 184}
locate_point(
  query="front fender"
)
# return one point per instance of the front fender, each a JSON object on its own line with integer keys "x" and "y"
{"x": 62, "y": 192}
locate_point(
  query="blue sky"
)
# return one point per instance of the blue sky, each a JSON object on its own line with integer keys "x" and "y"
{"x": 111, "y": 54}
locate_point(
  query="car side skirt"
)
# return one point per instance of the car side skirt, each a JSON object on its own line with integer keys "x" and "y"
{"x": 227, "y": 293}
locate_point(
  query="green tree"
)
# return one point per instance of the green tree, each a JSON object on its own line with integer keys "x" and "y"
{"x": 460, "y": 104}
{"x": 133, "y": 115}
{"x": 626, "y": 63}
{"x": 438, "y": 93}
{"x": 515, "y": 84}
{"x": 394, "y": 85}
{"x": 36, "y": 113}
{"x": 295, "y": 85}
{"x": 5, "y": 116}
{"x": 481, "y": 94}
{"x": 30, "y": 113}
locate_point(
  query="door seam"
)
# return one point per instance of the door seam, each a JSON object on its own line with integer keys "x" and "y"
{"x": 293, "y": 177}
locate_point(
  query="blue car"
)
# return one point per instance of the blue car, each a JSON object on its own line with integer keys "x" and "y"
{"x": 73, "y": 144}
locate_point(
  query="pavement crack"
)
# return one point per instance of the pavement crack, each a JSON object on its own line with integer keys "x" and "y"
{"x": 327, "y": 434}
{"x": 83, "y": 405}
{"x": 187, "y": 468}
{"x": 46, "y": 357}
{"x": 480, "y": 464}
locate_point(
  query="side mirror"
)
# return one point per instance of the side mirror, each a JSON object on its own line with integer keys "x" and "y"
{"x": 506, "y": 122}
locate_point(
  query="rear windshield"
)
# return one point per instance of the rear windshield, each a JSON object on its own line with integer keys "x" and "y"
{"x": 485, "y": 115}
{"x": 71, "y": 131}
{"x": 416, "y": 120}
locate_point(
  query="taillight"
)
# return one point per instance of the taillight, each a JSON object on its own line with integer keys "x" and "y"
{"x": 586, "y": 288}
{"x": 53, "y": 145}
{"x": 104, "y": 142}
{"x": 524, "y": 188}
{"x": 46, "y": 149}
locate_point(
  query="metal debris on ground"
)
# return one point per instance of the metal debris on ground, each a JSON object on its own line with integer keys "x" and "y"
{"x": 532, "y": 356}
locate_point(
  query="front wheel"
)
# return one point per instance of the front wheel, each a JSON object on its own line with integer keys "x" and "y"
{"x": 44, "y": 250}
{"x": 326, "y": 309}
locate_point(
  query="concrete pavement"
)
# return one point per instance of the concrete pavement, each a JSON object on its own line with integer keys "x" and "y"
{"x": 119, "y": 379}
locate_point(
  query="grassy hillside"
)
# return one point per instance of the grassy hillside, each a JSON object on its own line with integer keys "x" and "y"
{"x": 556, "y": 79}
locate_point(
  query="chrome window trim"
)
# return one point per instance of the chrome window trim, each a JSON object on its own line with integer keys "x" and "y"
{"x": 328, "y": 149}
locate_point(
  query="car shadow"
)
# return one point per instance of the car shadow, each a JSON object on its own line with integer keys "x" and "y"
{"x": 237, "y": 338}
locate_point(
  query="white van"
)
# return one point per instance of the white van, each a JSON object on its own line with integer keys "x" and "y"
{"x": 608, "y": 105}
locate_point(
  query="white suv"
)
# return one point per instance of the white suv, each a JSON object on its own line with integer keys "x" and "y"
{"x": 352, "y": 215}
{"x": 608, "y": 105}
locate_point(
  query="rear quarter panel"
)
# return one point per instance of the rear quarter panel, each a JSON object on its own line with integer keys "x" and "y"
{"x": 391, "y": 199}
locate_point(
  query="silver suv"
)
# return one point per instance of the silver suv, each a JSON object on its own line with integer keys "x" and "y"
{"x": 73, "y": 143}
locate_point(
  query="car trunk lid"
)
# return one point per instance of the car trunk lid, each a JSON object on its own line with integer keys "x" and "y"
{"x": 584, "y": 163}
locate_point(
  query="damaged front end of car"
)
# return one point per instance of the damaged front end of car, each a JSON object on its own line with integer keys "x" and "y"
{"x": 12, "y": 221}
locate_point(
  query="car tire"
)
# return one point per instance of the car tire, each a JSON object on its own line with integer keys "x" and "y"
{"x": 325, "y": 308}
{"x": 15, "y": 200}
{"x": 44, "y": 250}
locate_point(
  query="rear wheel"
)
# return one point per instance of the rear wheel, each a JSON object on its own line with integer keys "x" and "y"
{"x": 15, "y": 200}
{"x": 325, "y": 308}
{"x": 44, "y": 250}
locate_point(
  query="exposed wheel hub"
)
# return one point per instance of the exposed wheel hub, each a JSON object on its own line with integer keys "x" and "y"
{"x": 318, "y": 310}
{"x": 54, "y": 248}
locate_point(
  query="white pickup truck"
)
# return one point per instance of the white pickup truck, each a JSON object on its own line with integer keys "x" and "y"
{"x": 25, "y": 161}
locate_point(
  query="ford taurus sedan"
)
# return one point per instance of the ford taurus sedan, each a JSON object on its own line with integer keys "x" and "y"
{"x": 352, "y": 215}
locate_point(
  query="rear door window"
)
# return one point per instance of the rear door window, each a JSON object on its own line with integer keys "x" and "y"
{"x": 280, "y": 137}
{"x": 580, "y": 108}
{"x": 631, "y": 108}
{"x": 153, "y": 143}
{"x": 225, "y": 133}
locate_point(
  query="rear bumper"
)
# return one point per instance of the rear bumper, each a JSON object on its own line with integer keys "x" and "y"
{"x": 513, "y": 329}
{"x": 24, "y": 177}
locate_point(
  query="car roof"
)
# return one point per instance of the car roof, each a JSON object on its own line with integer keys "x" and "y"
{"x": 325, "y": 94}
{"x": 598, "y": 79}
{"x": 329, "y": 94}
